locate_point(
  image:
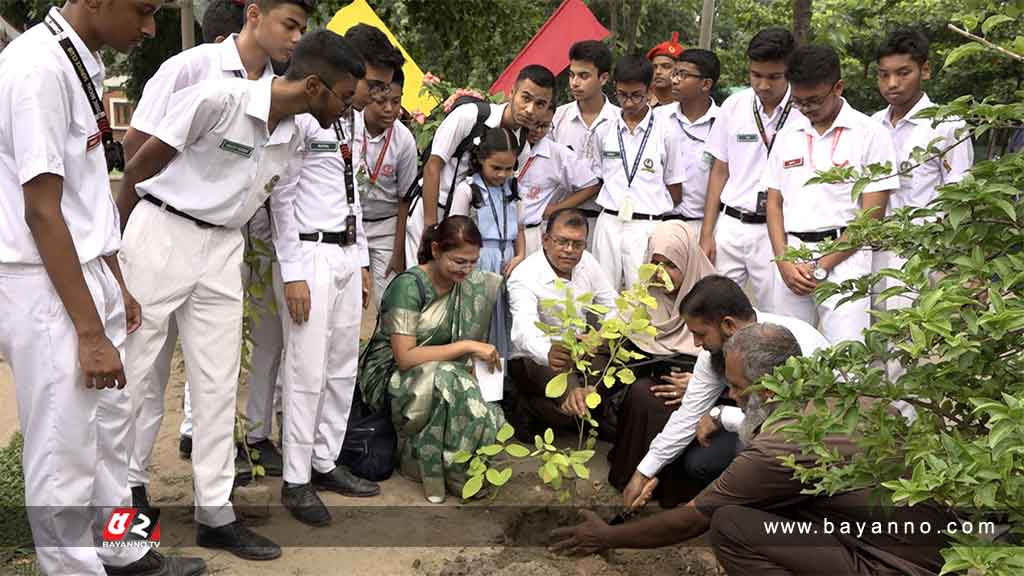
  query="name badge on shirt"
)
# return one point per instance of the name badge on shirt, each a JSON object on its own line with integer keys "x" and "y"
{"x": 746, "y": 137}
{"x": 323, "y": 146}
{"x": 611, "y": 154}
{"x": 793, "y": 163}
{"x": 93, "y": 141}
{"x": 648, "y": 165}
{"x": 236, "y": 148}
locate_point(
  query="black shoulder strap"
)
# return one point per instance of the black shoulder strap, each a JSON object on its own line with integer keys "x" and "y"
{"x": 483, "y": 112}
{"x": 513, "y": 187}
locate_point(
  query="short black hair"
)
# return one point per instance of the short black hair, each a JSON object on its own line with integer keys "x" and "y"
{"x": 571, "y": 217}
{"x": 375, "y": 48}
{"x": 905, "y": 41}
{"x": 267, "y": 5}
{"x": 593, "y": 51}
{"x": 222, "y": 19}
{"x": 537, "y": 74}
{"x": 706, "y": 62}
{"x": 633, "y": 68}
{"x": 399, "y": 77}
{"x": 813, "y": 65}
{"x": 715, "y": 297}
{"x": 327, "y": 55}
{"x": 771, "y": 45}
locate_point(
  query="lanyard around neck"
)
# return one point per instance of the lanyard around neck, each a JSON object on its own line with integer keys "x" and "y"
{"x": 380, "y": 156}
{"x": 836, "y": 136}
{"x": 768, "y": 144}
{"x": 630, "y": 174}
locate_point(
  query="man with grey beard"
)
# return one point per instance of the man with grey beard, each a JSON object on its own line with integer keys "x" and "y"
{"x": 748, "y": 508}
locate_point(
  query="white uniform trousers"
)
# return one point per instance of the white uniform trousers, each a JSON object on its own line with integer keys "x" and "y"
{"x": 77, "y": 440}
{"x": 619, "y": 247}
{"x": 836, "y": 322}
{"x": 174, "y": 267}
{"x": 535, "y": 238}
{"x": 380, "y": 238}
{"x": 321, "y": 356}
{"x": 743, "y": 252}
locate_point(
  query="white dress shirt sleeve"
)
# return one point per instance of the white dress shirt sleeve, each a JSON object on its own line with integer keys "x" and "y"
{"x": 39, "y": 122}
{"x": 718, "y": 139}
{"x": 285, "y": 228}
{"x": 461, "y": 199}
{"x": 172, "y": 76}
{"x": 701, "y": 395}
{"x": 880, "y": 150}
{"x": 600, "y": 284}
{"x": 576, "y": 173}
{"x": 771, "y": 177}
{"x": 361, "y": 242}
{"x": 406, "y": 162}
{"x": 732, "y": 418}
{"x": 196, "y": 111}
{"x": 674, "y": 170}
{"x": 960, "y": 158}
{"x": 524, "y": 303}
{"x": 456, "y": 126}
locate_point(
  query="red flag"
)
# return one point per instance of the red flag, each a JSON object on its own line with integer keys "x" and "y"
{"x": 549, "y": 47}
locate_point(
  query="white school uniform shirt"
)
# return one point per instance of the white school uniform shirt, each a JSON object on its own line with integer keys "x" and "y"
{"x": 185, "y": 69}
{"x": 398, "y": 168}
{"x": 692, "y": 138}
{"x": 735, "y": 139}
{"x": 855, "y": 140}
{"x": 568, "y": 128}
{"x": 47, "y": 127}
{"x": 227, "y": 163}
{"x": 551, "y": 173}
{"x": 919, "y": 188}
{"x": 660, "y": 166}
{"x": 702, "y": 393}
{"x": 532, "y": 282}
{"x": 316, "y": 200}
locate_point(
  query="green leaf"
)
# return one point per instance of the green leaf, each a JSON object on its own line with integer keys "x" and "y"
{"x": 994, "y": 21}
{"x": 557, "y": 385}
{"x": 581, "y": 471}
{"x": 505, "y": 433}
{"x": 549, "y": 436}
{"x": 490, "y": 450}
{"x": 626, "y": 376}
{"x": 472, "y": 486}
{"x": 461, "y": 457}
{"x": 581, "y": 456}
{"x": 499, "y": 478}
{"x": 517, "y": 450}
{"x": 1006, "y": 207}
{"x": 593, "y": 400}
{"x": 962, "y": 51}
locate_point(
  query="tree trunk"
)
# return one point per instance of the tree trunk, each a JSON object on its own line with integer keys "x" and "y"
{"x": 802, "y": 21}
{"x": 633, "y": 24}
{"x": 613, "y": 9}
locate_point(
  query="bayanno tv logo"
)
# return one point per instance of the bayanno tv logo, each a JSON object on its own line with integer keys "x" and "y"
{"x": 132, "y": 528}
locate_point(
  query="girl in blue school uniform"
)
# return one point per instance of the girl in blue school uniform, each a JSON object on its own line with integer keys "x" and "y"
{"x": 489, "y": 196}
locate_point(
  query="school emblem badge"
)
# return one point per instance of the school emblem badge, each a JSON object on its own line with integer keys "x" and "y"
{"x": 905, "y": 166}
{"x": 387, "y": 170}
{"x": 534, "y": 193}
{"x": 648, "y": 165}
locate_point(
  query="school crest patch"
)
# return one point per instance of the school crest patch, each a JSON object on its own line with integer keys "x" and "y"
{"x": 387, "y": 170}
{"x": 648, "y": 165}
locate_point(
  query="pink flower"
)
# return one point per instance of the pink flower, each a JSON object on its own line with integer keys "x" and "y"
{"x": 429, "y": 79}
{"x": 419, "y": 118}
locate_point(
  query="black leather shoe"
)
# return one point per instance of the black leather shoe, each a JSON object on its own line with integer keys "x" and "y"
{"x": 270, "y": 457}
{"x": 342, "y": 481}
{"x": 155, "y": 564}
{"x": 140, "y": 499}
{"x": 238, "y": 540}
{"x": 185, "y": 447}
{"x": 304, "y": 504}
{"x": 243, "y": 470}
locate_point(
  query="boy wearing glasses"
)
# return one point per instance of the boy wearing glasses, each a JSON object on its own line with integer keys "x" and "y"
{"x": 219, "y": 153}
{"x": 641, "y": 164}
{"x": 535, "y": 358}
{"x": 551, "y": 179}
{"x": 831, "y": 134}
{"x": 690, "y": 119}
{"x": 733, "y": 235}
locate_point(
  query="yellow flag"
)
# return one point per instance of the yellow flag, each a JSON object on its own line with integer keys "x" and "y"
{"x": 359, "y": 12}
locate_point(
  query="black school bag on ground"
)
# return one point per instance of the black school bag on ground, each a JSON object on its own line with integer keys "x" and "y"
{"x": 371, "y": 444}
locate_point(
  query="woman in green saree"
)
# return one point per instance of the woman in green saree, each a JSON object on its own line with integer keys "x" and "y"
{"x": 434, "y": 319}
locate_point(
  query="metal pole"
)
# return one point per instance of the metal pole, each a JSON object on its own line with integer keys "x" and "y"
{"x": 707, "y": 21}
{"x": 188, "y": 25}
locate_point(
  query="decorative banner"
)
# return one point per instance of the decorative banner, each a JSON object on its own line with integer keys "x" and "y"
{"x": 359, "y": 12}
{"x": 549, "y": 47}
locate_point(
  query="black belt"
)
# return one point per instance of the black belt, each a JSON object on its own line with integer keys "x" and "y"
{"x": 590, "y": 213}
{"x": 818, "y": 236}
{"x": 165, "y": 206}
{"x": 381, "y": 219}
{"x": 635, "y": 215}
{"x": 325, "y": 237}
{"x": 528, "y": 226}
{"x": 744, "y": 216}
{"x": 667, "y": 217}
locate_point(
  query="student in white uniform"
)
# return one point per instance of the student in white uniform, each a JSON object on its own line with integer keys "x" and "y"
{"x": 210, "y": 165}
{"x": 64, "y": 304}
{"x": 387, "y": 162}
{"x": 690, "y": 119}
{"x": 553, "y": 178}
{"x": 715, "y": 309}
{"x": 270, "y": 31}
{"x": 641, "y": 165}
{"x": 830, "y": 134}
{"x": 582, "y": 123}
{"x": 533, "y": 93}
{"x": 734, "y": 235}
{"x": 902, "y": 69}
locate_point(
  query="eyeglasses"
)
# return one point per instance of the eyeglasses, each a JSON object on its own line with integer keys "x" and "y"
{"x": 460, "y": 263}
{"x": 622, "y": 97}
{"x": 684, "y": 74}
{"x": 567, "y": 244}
{"x": 333, "y": 93}
{"x": 812, "y": 103}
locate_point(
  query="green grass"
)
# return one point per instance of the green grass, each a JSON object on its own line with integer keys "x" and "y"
{"x": 15, "y": 535}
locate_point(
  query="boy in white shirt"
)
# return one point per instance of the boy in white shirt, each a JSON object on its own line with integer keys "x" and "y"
{"x": 641, "y": 166}
{"x": 211, "y": 163}
{"x": 831, "y": 133}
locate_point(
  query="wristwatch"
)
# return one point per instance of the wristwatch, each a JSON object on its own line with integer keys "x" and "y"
{"x": 716, "y": 415}
{"x": 820, "y": 274}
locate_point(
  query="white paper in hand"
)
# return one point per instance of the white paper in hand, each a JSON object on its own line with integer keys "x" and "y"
{"x": 491, "y": 384}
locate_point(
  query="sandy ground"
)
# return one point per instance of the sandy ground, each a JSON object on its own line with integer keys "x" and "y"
{"x": 397, "y": 533}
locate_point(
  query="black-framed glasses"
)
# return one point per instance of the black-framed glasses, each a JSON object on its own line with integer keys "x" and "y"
{"x": 567, "y": 244}
{"x": 622, "y": 97}
{"x": 684, "y": 74}
{"x": 331, "y": 90}
{"x": 814, "y": 102}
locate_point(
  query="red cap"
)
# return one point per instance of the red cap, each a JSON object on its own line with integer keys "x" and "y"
{"x": 671, "y": 48}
